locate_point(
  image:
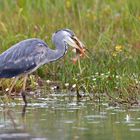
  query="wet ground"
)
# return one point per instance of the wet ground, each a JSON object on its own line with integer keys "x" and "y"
{"x": 62, "y": 117}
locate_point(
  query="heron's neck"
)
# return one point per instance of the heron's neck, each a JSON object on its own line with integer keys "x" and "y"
{"x": 61, "y": 49}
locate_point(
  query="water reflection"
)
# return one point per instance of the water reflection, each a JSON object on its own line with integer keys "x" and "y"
{"x": 12, "y": 127}
{"x": 65, "y": 117}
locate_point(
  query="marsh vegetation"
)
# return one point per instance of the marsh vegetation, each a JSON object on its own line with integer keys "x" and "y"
{"x": 109, "y": 29}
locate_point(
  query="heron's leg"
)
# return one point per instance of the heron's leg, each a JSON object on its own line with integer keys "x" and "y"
{"x": 12, "y": 85}
{"x": 23, "y": 89}
{"x": 24, "y": 82}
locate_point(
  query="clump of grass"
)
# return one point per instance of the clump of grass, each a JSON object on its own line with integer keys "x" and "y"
{"x": 109, "y": 30}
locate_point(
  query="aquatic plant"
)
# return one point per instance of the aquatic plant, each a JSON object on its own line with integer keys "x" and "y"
{"x": 109, "y": 30}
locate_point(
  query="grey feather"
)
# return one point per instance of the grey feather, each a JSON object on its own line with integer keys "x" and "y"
{"x": 22, "y": 57}
{"x": 28, "y": 55}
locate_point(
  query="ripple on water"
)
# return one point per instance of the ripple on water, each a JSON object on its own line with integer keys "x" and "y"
{"x": 68, "y": 121}
{"x": 117, "y": 122}
{"x": 40, "y": 105}
{"x": 111, "y": 108}
{"x": 92, "y": 117}
{"x": 93, "y": 122}
{"x": 135, "y": 129}
{"x": 18, "y": 136}
{"x": 72, "y": 104}
{"x": 81, "y": 128}
{"x": 119, "y": 110}
{"x": 131, "y": 124}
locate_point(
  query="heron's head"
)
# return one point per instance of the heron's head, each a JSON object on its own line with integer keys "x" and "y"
{"x": 70, "y": 39}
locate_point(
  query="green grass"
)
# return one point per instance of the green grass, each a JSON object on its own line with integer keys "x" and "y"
{"x": 101, "y": 25}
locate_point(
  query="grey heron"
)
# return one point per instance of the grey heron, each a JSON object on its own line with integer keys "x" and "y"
{"x": 28, "y": 55}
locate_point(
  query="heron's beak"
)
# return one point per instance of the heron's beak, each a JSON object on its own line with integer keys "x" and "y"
{"x": 78, "y": 45}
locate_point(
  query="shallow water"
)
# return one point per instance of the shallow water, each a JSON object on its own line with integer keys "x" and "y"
{"x": 61, "y": 117}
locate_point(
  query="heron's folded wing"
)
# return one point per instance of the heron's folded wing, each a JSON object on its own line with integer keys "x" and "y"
{"x": 22, "y": 59}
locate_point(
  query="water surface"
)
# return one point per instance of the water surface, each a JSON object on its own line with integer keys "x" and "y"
{"x": 65, "y": 118}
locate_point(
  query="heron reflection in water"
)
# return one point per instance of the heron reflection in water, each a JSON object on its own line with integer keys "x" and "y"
{"x": 28, "y": 55}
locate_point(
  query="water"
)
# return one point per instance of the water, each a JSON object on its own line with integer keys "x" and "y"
{"x": 64, "y": 118}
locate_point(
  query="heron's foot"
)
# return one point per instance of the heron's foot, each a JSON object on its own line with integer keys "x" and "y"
{"x": 23, "y": 94}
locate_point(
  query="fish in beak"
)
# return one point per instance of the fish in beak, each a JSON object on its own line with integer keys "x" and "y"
{"x": 78, "y": 46}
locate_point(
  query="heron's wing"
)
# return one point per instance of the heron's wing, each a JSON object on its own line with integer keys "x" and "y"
{"x": 23, "y": 57}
